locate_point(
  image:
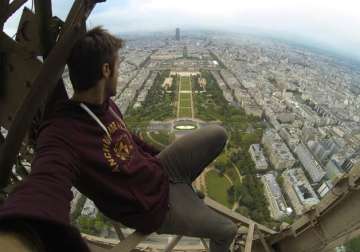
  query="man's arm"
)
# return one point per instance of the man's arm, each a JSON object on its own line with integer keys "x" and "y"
{"x": 41, "y": 203}
{"x": 146, "y": 147}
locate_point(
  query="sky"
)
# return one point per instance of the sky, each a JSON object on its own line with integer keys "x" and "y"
{"x": 329, "y": 24}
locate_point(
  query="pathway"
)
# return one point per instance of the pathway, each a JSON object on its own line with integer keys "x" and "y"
{"x": 154, "y": 140}
{"x": 237, "y": 171}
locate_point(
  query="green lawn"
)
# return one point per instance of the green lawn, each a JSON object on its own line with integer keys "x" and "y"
{"x": 217, "y": 187}
{"x": 233, "y": 175}
{"x": 185, "y": 84}
{"x": 161, "y": 137}
{"x": 151, "y": 142}
{"x": 185, "y": 100}
{"x": 185, "y": 112}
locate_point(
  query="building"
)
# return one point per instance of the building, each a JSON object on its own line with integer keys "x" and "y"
{"x": 350, "y": 163}
{"x": 290, "y": 136}
{"x": 258, "y": 157}
{"x": 333, "y": 170}
{"x": 76, "y": 197}
{"x": 251, "y": 108}
{"x": 299, "y": 191}
{"x": 308, "y": 161}
{"x": 324, "y": 149}
{"x": 325, "y": 188}
{"x": 285, "y": 117}
{"x": 177, "y": 34}
{"x": 310, "y": 133}
{"x": 202, "y": 83}
{"x": 279, "y": 154}
{"x": 89, "y": 209}
{"x": 167, "y": 83}
{"x": 277, "y": 204}
{"x": 270, "y": 136}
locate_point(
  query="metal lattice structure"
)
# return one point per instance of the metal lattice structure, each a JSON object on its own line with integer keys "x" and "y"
{"x": 31, "y": 66}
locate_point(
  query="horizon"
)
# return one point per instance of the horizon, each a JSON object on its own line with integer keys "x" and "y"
{"x": 330, "y": 26}
{"x": 308, "y": 45}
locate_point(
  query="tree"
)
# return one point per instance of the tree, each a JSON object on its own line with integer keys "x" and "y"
{"x": 221, "y": 163}
{"x": 231, "y": 194}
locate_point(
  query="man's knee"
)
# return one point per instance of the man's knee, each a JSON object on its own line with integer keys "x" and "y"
{"x": 219, "y": 133}
{"x": 232, "y": 231}
{"x": 229, "y": 231}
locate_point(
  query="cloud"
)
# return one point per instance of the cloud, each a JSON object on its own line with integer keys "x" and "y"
{"x": 332, "y": 23}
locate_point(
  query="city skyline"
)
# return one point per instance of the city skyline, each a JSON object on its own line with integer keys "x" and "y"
{"x": 328, "y": 25}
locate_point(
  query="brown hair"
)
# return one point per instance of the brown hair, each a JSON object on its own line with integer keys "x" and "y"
{"x": 89, "y": 53}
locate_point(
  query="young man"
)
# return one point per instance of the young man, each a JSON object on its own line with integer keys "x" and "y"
{"x": 85, "y": 143}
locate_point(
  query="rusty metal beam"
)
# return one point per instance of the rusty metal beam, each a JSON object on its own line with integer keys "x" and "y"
{"x": 2, "y": 139}
{"x": 9, "y": 9}
{"x": 203, "y": 242}
{"x": 118, "y": 230}
{"x": 4, "y": 4}
{"x": 2, "y": 74}
{"x": 20, "y": 68}
{"x": 250, "y": 238}
{"x": 129, "y": 243}
{"x": 236, "y": 217}
{"x": 94, "y": 248}
{"x": 334, "y": 220}
{"x": 174, "y": 241}
{"x": 44, "y": 14}
{"x": 262, "y": 240}
{"x": 42, "y": 86}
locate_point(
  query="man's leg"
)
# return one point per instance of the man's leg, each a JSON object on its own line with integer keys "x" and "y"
{"x": 188, "y": 215}
{"x": 187, "y": 157}
{"x": 184, "y": 160}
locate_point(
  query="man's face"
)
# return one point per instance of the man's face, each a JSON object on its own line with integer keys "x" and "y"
{"x": 112, "y": 80}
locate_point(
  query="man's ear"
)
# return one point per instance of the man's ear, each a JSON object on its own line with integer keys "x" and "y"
{"x": 106, "y": 70}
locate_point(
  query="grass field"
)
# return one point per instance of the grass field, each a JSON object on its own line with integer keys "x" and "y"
{"x": 217, "y": 187}
{"x": 185, "y": 104}
{"x": 185, "y": 100}
{"x": 185, "y": 112}
{"x": 162, "y": 137}
{"x": 185, "y": 84}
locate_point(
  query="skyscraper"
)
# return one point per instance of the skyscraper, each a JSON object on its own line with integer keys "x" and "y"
{"x": 177, "y": 34}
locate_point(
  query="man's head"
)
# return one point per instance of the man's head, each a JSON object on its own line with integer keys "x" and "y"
{"x": 94, "y": 61}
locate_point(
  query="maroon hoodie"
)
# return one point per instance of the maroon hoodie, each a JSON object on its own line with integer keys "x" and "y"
{"x": 112, "y": 167}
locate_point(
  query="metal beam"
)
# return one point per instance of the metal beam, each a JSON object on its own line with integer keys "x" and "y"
{"x": 43, "y": 84}
{"x": 129, "y": 243}
{"x": 235, "y": 216}
{"x": 206, "y": 247}
{"x": 118, "y": 230}
{"x": 20, "y": 68}
{"x": 249, "y": 238}
{"x": 262, "y": 240}
{"x": 173, "y": 243}
{"x": 334, "y": 220}
{"x": 43, "y": 14}
{"x": 2, "y": 73}
{"x": 4, "y": 4}
{"x": 9, "y": 10}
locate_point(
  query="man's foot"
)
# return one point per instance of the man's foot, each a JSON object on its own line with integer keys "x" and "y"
{"x": 199, "y": 193}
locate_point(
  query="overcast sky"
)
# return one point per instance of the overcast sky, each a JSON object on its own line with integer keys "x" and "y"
{"x": 335, "y": 24}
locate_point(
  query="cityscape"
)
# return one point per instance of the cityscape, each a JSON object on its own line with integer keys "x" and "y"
{"x": 292, "y": 114}
{"x": 189, "y": 126}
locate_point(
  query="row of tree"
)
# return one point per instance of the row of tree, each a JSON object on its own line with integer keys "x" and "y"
{"x": 158, "y": 104}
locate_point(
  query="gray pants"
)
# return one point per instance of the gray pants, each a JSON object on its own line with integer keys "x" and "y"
{"x": 184, "y": 160}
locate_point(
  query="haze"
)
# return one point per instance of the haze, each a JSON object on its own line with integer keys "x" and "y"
{"x": 331, "y": 25}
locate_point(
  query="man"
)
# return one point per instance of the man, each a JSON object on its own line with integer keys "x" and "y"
{"x": 85, "y": 143}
